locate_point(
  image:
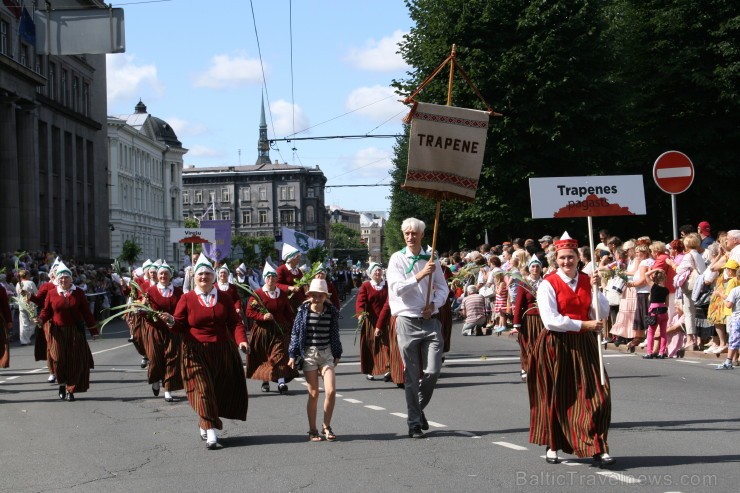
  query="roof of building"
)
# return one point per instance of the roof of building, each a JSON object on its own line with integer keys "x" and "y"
{"x": 247, "y": 168}
{"x": 162, "y": 130}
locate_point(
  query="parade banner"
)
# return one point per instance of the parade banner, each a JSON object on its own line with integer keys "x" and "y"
{"x": 446, "y": 147}
{"x": 587, "y": 196}
{"x": 221, "y": 247}
{"x": 299, "y": 240}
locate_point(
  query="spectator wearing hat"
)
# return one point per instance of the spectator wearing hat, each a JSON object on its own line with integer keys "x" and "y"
{"x": 212, "y": 370}
{"x": 374, "y": 343}
{"x": 718, "y": 313}
{"x": 162, "y": 346}
{"x": 570, "y": 409}
{"x": 272, "y": 319}
{"x": 315, "y": 338}
{"x": 705, "y": 232}
{"x": 545, "y": 242}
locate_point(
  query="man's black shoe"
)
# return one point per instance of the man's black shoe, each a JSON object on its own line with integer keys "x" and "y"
{"x": 416, "y": 432}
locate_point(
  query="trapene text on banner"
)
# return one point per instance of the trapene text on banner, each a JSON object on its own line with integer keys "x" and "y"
{"x": 583, "y": 196}
{"x": 446, "y": 147}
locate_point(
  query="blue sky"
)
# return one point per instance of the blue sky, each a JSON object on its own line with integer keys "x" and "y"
{"x": 197, "y": 66}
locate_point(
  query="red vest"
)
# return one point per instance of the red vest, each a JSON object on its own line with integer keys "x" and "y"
{"x": 572, "y": 304}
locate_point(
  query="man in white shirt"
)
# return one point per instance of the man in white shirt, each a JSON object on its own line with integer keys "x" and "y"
{"x": 418, "y": 329}
{"x": 733, "y": 244}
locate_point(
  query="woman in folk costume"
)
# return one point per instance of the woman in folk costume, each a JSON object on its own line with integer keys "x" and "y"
{"x": 67, "y": 309}
{"x": 374, "y": 345}
{"x": 527, "y": 319}
{"x": 211, "y": 364}
{"x": 136, "y": 321}
{"x": 162, "y": 346}
{"x": 225, "y": 286}
{"x": 41, "y": 344}
{"x": 333, "y": 291}
{"x": 272, "y": 320}
{"x": 6, "y": 323}
{"x": 570, "y": 409}
{"x": 445, "y": 311}
{"x": 289, "y": 273}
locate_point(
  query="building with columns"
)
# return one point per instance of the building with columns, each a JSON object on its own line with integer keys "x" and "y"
{"x": 261, "y": 198}
{"x": 145, "y": 179}
{"x": 53, "y": 152}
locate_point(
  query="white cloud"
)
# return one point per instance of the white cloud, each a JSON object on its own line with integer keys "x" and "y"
{"x": 379, "y": 56}
{"x": 282, "y": 119}
{"x": 369, "y": 163}
{"x": 228, "y": 72}
{"x": 376, "y": 102}
{"x": 203, "y": 151}
{"x": 184, "y": 128}
{"x": 128, "y": 79}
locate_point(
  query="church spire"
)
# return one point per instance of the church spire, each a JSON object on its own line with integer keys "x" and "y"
{"x": 263, "y": 146}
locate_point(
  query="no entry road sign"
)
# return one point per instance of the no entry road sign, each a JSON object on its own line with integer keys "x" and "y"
{"x": 673, "y": 172}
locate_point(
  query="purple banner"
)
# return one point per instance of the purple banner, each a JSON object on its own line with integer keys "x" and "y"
{"x": 222, "y": 248}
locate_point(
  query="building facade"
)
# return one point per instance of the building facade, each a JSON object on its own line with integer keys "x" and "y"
{"x": 145, "y": 180}
{"x": 53, "y": 156}
{"x": 258, "y": 199}
{"x": 372, "y": 233}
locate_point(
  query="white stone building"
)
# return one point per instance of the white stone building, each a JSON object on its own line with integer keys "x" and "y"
{"x": 145, "y": 182}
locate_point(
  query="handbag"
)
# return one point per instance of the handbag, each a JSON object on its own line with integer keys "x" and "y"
{"x": 651, "y": 319}
{"x": 614, "y": 288}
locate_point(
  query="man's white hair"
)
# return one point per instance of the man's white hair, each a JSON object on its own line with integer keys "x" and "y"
{"x": 734, "y": 234}
{"x": 413, "y": 224}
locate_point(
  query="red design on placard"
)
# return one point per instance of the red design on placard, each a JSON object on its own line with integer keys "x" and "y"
{"x": 442, "y": 177}
{"x": 593, "y": 206}
{"x": 452, "y": 120}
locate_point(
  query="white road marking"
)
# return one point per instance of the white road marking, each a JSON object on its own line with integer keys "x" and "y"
{"x": 624, "y": 478}
{"x": 352, "y": 401}
{"x": 113, "y": 348}
{"x": 509, "y": 445}
{"x": 375, "y": 408}
{"x": 339, "y": 395}
{"x": 400, "y": 415}
{"x": 686, "y": 361}
{"x": 12, "y": 378}
{"x": 436, "y": 425}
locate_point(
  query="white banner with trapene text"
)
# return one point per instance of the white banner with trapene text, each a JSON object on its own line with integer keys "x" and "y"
{"x": 583, "y": 196}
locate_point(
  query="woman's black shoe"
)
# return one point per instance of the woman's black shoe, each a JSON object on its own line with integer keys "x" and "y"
{"x": 649, "y": 356}
{"x": 551, "y": 460}
{"x": 602, "y": 462}
{"x": 282, "y": 388}
{"x": 62, "y": 391}
{"x": 70, "y": 397}
{"x": 265, "y": 387}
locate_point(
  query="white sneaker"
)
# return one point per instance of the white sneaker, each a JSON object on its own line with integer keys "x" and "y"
{"x": 643, "y": 344}
{"x": 710, "y": 349}
{"x": 51, "y": 379}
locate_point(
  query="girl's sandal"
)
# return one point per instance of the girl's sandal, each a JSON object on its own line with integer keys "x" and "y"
{"x": 313, "y": 436}
{"x": 329, "y": 434}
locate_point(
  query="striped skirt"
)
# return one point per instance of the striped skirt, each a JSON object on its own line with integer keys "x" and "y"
{"x": 137, "y": 325}
{"x": 162, "y": 349}
{"x": 374, "y": 351}
{"x": 268, "y": 355}
{"x": 445, "y": 318}
{"x": 396, "y": 361}
{"x": 528, "y": 334}
{"x": 569, "y": 408}
{"x": 214, "y": 380}
{"x": 4, "y": 345}
{"x": 71, "y": 357}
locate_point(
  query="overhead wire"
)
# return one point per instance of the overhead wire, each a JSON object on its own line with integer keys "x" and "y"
{"x": 264, "y": 79}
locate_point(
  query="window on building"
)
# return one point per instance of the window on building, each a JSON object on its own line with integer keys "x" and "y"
{"x": 198, "y": 197}
{"x": 185, "y": 198}
{"x": 310, "y": 215}
{"x": 211, "y": 196}
{"x": 246, "y": 194}
{"x": 225, "y": 195}
{"x": 287, "y": 217}
{"x": 287, "y": 193}
{"x": 25, "y": 58}
{"x": 52, "y": 81}
{"x": 263, "y": 217}
{"x": 246, "y": 218}
{"x": 64, "y": 88}
{"x": 185, "y": 214}
{"x": 310, "y": 192}
{"x": 86, "y": 98}
{"x": 4, "y": 38}
{"x": 263, "y": 193}
{"x": 76, "y": 94}
{"x": 226, "y": 215}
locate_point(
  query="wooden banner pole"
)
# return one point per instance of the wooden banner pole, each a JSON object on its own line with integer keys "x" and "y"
{"x": 595, "y": 297}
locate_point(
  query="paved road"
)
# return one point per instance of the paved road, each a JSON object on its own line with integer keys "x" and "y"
{"x": 674, "y": 428}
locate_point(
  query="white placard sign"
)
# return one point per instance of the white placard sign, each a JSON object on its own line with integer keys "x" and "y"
{"x": 193, "y": 235}
{"x": 584, "y": 196}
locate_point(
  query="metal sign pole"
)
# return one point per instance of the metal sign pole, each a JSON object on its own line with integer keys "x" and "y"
{"x": 674, "y": 216}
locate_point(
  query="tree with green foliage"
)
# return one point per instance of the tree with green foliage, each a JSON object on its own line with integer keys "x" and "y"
{"x": 346, "y": 242}
{"x": 130, "y": 252}
{"x": 266, "y": 246}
